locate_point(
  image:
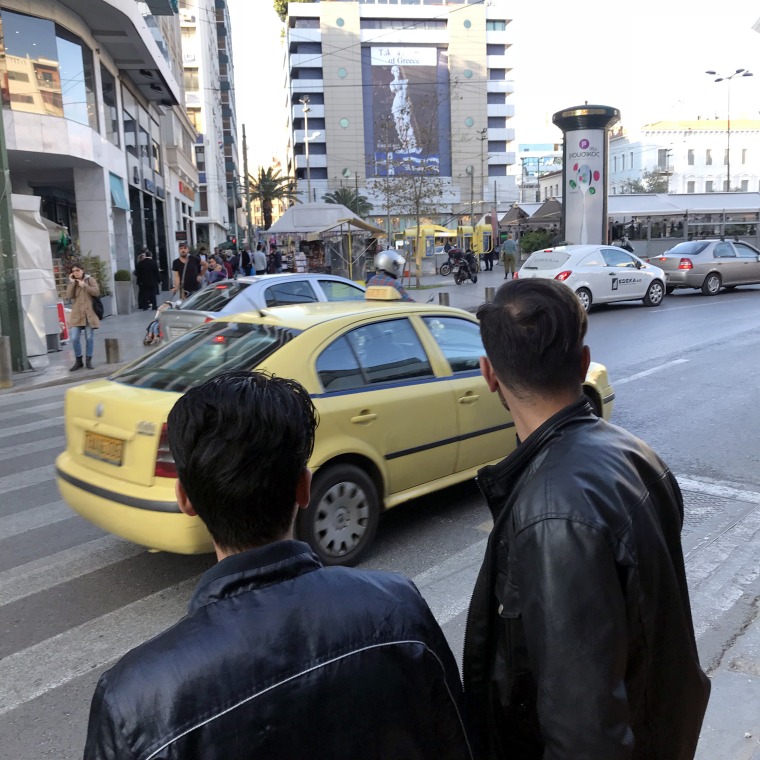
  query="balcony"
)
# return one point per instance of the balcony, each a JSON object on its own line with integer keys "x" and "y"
{"x": 307, "y": 60}
{"x": 317, "y": 112}
{"x": 314, "y": 162}
{"x": 501, "y": 134}
{"x": 500, "y": 85}
{"x": 501, "y": 109}
{"x": 306, "y": 86}
{"x": 300, "y": 134}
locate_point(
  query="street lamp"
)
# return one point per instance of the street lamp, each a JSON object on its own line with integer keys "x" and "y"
{"x": 304, "y": 101}
{"x": 737, "y": 73}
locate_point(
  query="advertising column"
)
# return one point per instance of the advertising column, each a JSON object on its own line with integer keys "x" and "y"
{"x": 584, "y": 171}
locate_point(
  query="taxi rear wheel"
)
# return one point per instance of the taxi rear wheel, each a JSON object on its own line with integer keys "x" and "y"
{"x": 341, "y": 520}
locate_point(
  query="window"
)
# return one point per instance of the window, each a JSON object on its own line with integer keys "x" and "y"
{"x": 335, "y": 290}
{"x": 216, "y": 298}
{"x": 726, "y": 188}
{"x": 690, "y": 186}
{"x": 744, "y": 155}
{"x": 497, "y": 75}
{"x": 289, "y": 292}
{"x": 724, "y": 251}
{"x": 614, "y": 163}
{"x": 622, "y": 162}
{"x": 690, "y": 157}
{"x": 496, "y": 49}
{"x": 496, "y": 98}
{"x": 338, "y": 367}
{"x": 743, "y": 251}
{"x": 708, "y": 157}
{"x": 497, "y": 122}
{"x": 156, "y": 151}
{"x": 496, "y": 26}
{"x": 662, "y": 158}
{"x": 459, "y": 340}
{"x": 615, "y": 258}
{"x": 192, "y": 80}
{"x": 745, "y": 185}
{"x": 708, "y": 186}
{"x": 631, "y": 155}
{"x": 497, "y": 146}
{"x": 109, "y": 105}
{"x": 130, "y": 132}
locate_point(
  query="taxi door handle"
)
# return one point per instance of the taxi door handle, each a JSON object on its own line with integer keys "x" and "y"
{"x": 364, "y": 416}
{"x": 470, "y": 398}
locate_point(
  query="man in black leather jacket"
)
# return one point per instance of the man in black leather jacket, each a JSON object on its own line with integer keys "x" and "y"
{"x": 579, "y": 641}
{"x": 278, "y": 657}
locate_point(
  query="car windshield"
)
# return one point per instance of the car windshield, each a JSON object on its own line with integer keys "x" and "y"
{"x": 546, "y": 260}
{"x": 690, "y": 248}
{"x": 203, "y": 353}
{"x": 214, "y": 297}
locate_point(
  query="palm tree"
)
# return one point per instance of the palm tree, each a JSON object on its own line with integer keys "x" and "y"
{"x": 352, "y": 200}
{"x": 269, "y": 186}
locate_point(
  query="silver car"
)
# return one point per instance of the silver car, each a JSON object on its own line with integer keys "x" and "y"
{"x": 255, "y": 292}
{"x": 709, "y": 265}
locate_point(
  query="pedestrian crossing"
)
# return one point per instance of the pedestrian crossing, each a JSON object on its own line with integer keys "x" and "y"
{"x": 91, "y": 597}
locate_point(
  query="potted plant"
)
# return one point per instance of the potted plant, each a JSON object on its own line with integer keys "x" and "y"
{"x": 125, "y": 292}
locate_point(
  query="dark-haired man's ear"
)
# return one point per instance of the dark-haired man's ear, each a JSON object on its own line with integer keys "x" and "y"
{"x": 183, "y": 502}
{"x": 585, "y": 361}
{"x": 486, "y": 369}
{"x": 303, "y": 489}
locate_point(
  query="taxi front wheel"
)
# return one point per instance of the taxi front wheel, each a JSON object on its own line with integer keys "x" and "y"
{"x": 341, "y": 520}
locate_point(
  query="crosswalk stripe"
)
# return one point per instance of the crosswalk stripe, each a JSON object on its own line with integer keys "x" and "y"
{"x": 34, "y": 671}
{"x": 36, "y": 517}
{"x": 48, "y": 572}
{"x": 41, "y": 409}
{"x": 48, "y": 424}
{"x": 34, "y": 447}
{"x": 32, "y": 396}
{"x": 33, "y": 477}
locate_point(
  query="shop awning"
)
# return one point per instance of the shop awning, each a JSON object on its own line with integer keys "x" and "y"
{"x": 359, "y": 224}
{"x": 118, "y": 198}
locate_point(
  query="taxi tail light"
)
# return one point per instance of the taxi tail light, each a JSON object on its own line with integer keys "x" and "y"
{"x": 562, "y": 276}
{"x": 685, "y": 264}
{"x": 165, "y": 467}
{"x": 515, "y": 275}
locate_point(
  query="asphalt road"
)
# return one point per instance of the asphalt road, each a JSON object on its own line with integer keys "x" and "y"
{"x": 72, "y": 599}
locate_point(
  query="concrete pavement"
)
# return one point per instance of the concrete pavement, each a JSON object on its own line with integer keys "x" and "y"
{"x": 129, "y": 330}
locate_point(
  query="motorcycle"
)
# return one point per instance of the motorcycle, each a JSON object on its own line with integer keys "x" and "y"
{"x": 446, "y": 268}
{"x": 463, "y": 267}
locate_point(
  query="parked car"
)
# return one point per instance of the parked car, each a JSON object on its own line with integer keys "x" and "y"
{"x": 598, "y": 273}
{"x": 403, "y": 411}
{"x": 709, "y": 265}
{"x": 255, "y": 292}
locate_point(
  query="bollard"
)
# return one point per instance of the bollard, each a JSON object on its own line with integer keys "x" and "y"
{"x": 443, "y": 299}
{"x": 490, "y": 293}
{"x": 6, "y": 380}
{"x": 112, "y": 351}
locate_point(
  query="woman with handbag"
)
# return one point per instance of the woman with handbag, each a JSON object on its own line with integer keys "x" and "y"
{"x": 81, "y": 291}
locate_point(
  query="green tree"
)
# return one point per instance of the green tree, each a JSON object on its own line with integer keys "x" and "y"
{"x": 281, "y": 7}
{"x": 534, "y": 241}
{"x": 269, "y": 186}
{"x": 348, "y": 197}
{"x": 650, "y": 182}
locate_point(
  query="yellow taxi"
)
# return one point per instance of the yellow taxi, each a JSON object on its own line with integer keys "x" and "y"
{"x": 403, "y": 411}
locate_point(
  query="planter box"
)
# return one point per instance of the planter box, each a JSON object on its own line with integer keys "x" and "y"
{"x": 125, "y": 297}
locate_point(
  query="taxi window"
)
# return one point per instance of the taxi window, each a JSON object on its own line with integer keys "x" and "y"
{"x": 215, "y": 297}
{"x": 724, "y": 251}
{"x": 288, "y": 292}
{"x": 203, "y": 353}
{"x": 459, "y": 340}
{"x": 341, "y": 291}
{"x": 338, "y": 367}
{"x": 389, "y": 351}
{"x": 616, "y": 258}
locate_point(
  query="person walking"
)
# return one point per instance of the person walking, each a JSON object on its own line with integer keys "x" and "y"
{"x": 148, "y": 281}
{"x": 259, "y": 260}
{"x": 80, "y": 291}
{"x": 579, "y": 640}
{"x": 188, "y": 272}
{"x": 508, "y": 251}
{"x": 488, "y": 260}
{"x": 278, "y": 656}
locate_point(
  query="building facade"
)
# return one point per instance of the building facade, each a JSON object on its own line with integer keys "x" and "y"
{"x": 377, "y": 94}
{"x": 89, "y": 91}
{"x": 210, "y": 101}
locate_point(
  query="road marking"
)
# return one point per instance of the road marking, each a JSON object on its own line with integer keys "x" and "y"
{"x": 648, "y": 372}
{"x": 35, "y": 447}
{"x": 42, "y": 667}
{"x": 699, "y": 305}
{"x": 31, "y": 410}
{"x": 36, "y": 517}
{"x": 48, "y": 572}
{"x": 38, "y": 394}
{"x": 716, "y": 488}
{"x": 30, "y": 427}
{"x": 20, "y": 480}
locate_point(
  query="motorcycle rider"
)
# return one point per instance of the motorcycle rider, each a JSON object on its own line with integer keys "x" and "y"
{"x": 388, "y": 266}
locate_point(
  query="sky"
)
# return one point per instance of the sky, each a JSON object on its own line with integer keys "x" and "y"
{"x": 647, "y": 58}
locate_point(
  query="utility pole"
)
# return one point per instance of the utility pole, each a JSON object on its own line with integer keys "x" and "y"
{"x": 11, "y": 319}
{"x": 247, "y": 191}
{"x": 304, "y": 101}
{"x": 483, "y": 137}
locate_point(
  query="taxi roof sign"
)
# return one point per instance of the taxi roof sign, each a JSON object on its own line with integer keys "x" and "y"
{"x": 381, "y": 293}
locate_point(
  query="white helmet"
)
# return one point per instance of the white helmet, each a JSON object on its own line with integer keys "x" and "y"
{"x": 390, "y": 262}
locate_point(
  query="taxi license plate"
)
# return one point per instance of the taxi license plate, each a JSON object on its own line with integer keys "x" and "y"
{"x": 103, "y": 448}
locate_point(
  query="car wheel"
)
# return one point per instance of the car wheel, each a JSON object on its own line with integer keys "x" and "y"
{"x": 585, "y": 298}
{"x": 711, "y": 285}
{"x": 655, "y": 294}
{"x": 341, "y": 520}
{"x": 445, "y": 269}
{"x": 669, "y": 289}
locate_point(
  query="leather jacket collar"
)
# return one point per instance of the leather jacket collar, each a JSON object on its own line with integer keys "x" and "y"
{"x": 254, "y": 568}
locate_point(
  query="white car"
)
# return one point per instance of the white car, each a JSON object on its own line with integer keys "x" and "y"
{"x": 598, "y": 273}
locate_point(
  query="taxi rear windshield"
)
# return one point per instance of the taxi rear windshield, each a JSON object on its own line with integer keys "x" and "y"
{"x": 689, "y": 248}
{"x": 203, "y": 353}
{"x": 546, "y": 260}
{"x": 214, "y": 297}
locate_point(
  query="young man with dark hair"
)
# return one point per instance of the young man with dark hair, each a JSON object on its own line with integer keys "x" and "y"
{"x": 278, "y": 656}
{"x": 579, "y": 640}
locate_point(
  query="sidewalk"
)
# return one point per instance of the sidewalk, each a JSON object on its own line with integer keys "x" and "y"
{"x": 53, "y": 368}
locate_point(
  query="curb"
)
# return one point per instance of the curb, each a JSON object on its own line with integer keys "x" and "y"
{"x": 22, "y": 383}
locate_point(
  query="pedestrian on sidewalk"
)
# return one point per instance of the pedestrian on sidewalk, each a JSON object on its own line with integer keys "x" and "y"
{"x": 188, "y": 271}
{"x": 488, "y": 260}
{"x": 148, "y": 281}
{"x": 579, "y": 638}
{"x": 81, "y": 289}
{"x": 259, "y": 260}
{"x": 278, "y": 656}
{"x": 508, "y": 251}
